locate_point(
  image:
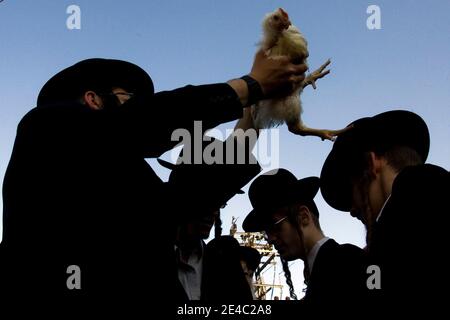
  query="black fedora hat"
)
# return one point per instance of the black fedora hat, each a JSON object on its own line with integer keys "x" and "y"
{"x": 378, "y": 134}
{"x": 202, "y": 187}
{"x": 228, "y": 246}
{"x": 251, "y": 256}
{"x": 274, "y": 190}
{"x": 94, "y": 74}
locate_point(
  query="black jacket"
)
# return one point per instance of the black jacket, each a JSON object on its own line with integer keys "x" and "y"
{"x": 337, "y": 278}
{"x": 223, "y": 279}
{"x": 78, "y": 191}
{"x": 410, "y": 241}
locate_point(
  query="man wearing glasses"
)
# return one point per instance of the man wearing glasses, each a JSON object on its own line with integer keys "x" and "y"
{"x": 284, "y": 209}
{"x": 78, "y": 193}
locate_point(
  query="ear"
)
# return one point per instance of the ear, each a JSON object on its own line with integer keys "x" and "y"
{"x": 92, "y": 100}
{"x": 376, "y": 163}
{"x": 305, "y": 216}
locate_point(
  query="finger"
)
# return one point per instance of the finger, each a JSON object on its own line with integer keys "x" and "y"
{"x": 297, "y": 79}
{"x": 260, "y": 55}
{"x": 281, "y": 59}
{"x": 299, "y": 69}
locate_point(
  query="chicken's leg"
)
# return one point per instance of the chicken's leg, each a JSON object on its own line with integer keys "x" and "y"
{"x": 301, "y": 129}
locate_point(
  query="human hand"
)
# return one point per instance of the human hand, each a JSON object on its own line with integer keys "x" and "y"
{"x": 277, "y": 76}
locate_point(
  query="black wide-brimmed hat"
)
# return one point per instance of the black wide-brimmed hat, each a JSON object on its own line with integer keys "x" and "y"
{"x": 228, "y": 246}
{"x": 202, "y": 187}
{"x": 94, "y": 74}
{"x": 251, "y": 256}
{"x": 274, "y": 190}
{"x": 378, "y": 134}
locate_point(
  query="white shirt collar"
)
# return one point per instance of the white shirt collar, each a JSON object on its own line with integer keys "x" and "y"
{"x": 382, "y": 208}
{"x": 190, "y": 272}
{"x": 313, "y": 253}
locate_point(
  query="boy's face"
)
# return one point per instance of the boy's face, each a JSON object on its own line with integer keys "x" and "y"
{"x": 362, "y": 207}
{"x": 285, "y": 236}
{"x": 201, "y": 227}
{"x": 370, "y": 191}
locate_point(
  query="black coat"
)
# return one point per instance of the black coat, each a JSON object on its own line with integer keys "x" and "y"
{"x": 78, "y": 191}
{"x": 410, "y": 241}
{"x": 223, "y": 279}
{"x": 338, "y": 278}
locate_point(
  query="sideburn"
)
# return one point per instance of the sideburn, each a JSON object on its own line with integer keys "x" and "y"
{"x": 110, "y": 101}
{"x": 366, "y": 214}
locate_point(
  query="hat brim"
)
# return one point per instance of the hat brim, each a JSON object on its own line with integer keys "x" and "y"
{"x": 260, "y": 218}
{"x": 172, "y": 166}
{"x": 378, "y": 134}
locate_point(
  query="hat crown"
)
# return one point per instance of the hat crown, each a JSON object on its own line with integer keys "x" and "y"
{"x": 385, "y": 130}
{"x": 91, "y": 74}
{"x": 278, "y": 187}
{"x": 274, "y": 190}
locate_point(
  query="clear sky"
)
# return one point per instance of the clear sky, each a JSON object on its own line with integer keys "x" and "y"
{"x": 405, "y": 64}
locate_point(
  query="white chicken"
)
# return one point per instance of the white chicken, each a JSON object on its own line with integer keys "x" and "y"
{"x": 281, "y": 38}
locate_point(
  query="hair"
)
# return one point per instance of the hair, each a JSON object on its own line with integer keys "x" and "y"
{"x": 217, "y": 226}
{"x": 400, "y": 157}
{"x": 287, "y": 274}
{"x": 293, "y": 218}
{"x": 292, "y": 212}
{"x": 362, "y": 181}
{"x": 311, "y": 205}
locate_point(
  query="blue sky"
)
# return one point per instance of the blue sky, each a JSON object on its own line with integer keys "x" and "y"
{"x": 405, "y": 64}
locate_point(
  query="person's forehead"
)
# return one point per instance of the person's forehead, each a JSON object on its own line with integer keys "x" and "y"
{"x": 278, "y": 214}
{"x": 119, "y": 88}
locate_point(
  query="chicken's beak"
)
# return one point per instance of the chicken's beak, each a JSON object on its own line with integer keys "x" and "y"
{"x": 287, "y": 25}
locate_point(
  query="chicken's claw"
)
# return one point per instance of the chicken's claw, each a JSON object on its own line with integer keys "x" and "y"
{"x": 333, "y": 134}
{"x": 317, "y": 74}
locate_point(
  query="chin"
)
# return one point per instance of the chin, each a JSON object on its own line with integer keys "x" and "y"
{"x": 204, "y": 235}
{"x": 287, "y": 256}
